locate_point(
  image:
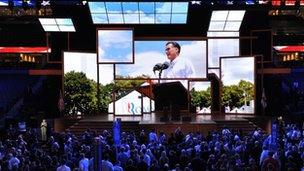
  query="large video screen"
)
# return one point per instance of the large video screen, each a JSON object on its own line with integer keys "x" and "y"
{"x": 237, "y": 76}
{"x": 150, "y": 53}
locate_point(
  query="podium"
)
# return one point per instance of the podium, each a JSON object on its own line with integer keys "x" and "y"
{"x": 170, "y": 98}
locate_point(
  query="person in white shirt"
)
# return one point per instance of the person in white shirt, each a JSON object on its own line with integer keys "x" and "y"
{"x": 179, "y": 67}
{"x": 84, "y": 163}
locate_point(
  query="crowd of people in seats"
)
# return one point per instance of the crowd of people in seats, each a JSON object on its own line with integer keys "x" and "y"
{"x": 219, "y": 150}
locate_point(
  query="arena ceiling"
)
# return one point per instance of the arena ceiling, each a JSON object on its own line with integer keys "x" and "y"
{"x": 26, "y": 30}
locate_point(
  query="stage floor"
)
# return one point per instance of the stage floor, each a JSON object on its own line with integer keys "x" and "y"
{"x": 154, "y": 118}
{"x": 192, "y": 123}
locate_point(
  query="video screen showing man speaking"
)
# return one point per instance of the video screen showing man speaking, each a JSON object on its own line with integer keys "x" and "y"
{"x": 174, "y": 59}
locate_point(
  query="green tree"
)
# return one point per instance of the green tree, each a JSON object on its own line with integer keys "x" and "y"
{"x": 80, "y": 94}
{"x": 105, "y": 96}
{"x": 231, "y": 95}
{"x": 248, "y": 91}
{"x": 201, "y": 98}
{"x": 235, "y": 95}
{"x": 122, "y": 87}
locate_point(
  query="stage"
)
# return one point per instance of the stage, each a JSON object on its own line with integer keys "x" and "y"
{"x": 189, "y": 123}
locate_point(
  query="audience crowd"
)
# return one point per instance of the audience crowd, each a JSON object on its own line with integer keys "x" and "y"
{"x": 223, "y": 150}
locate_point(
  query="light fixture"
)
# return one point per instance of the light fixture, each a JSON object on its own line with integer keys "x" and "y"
{"x": 229, "y": 2}
{"x": 45, "y": 3}
{"x": 196, "y": 2}
{"x": 57, "y": 24}
{"x": 250, "y": 2}
{"x": 139, "y": 12}
{"x": 226, "y": 20}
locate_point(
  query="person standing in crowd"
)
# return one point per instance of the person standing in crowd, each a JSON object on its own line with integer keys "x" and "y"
{"x": 83, "y": 163}
{"x": 43, "y": 128}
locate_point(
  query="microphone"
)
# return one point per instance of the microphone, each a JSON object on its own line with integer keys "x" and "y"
{"x": 160, "y": 67}
{"x": 165, "y": 65}
{"x": 157, "y": 67}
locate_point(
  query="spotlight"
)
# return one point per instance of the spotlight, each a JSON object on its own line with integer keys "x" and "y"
{"x": 249, "y": 2}
{"x": 84, "y": 2}
{"x": 45, "y": 3}
{"x": 196, "y": 2}
{"x": 229, "y": 2}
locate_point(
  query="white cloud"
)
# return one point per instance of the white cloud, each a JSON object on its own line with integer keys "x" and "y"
{"x": 221, "y": 47}
{"x": 179, "y": 7}
{"x": 120, "y": 38}
{"x": 3, "y": 4}
{"x": 199, "y": 86}
{"x": 81, "y": 62}
{"x": 114, "y": 44}
{"x": 115, "y": 18}
{"x": 236, "y": 69}
{"x": 146, "y": 18}
{"x": 106, "y": 72}
{"x": 131, "y": 18}
{"x": 164, "y": 8}
{"x": 144, "y": 63}
{"x": 86, "y": 62}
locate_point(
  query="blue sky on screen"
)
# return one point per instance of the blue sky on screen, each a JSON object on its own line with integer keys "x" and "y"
{"x": 148, "y": 53}
{"x": 200, "y": 86}
{"x": 97, "y": 7}
{"x": 236, "y": 69}
{"x": 139, "y": 12}
{"x": 147, "y": 7}
{"x": 113, "y": 45}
